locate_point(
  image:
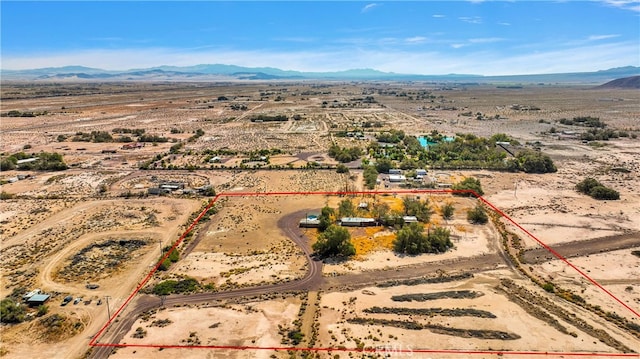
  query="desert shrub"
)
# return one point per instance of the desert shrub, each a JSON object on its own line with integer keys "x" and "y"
{"x": 469, "y": 183}
{"x": 477, "y": 215}
{"x": 6, "y": 195}
{"x": 170, "y": 286}
{"x": 11, "y": 311}
{"x": 591, "y": 187}
{"x": 447, "y": 211}
{"x": 342, "y": 168}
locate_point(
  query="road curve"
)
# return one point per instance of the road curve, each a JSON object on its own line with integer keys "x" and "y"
{"x": 142, "y": 303}
{"x": 314, "y": 280}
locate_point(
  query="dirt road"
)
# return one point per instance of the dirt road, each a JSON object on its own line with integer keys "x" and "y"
{"x": 313, "y": 280}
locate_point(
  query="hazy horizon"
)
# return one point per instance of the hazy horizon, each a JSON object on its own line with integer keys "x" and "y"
{"x": 430, "y": 38}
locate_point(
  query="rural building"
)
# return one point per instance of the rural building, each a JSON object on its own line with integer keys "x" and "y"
{"x": 363, "y": 205}
{"x": 421, "y": 172}
{"x": 358, "y": 222}
{"x": 409, "y": 219}
{"x": 172, "y": 186}
{"x": 310, "y": 221}
{"x": 395, "y": 171}
{"x": 31, "y": 294}
{"x": 215, "y": 159}
{"x": 158, "y": 191}
{"x": 27, "y": 160}
{"x": 397, "y": 178}
{"x": 38, "y": 299}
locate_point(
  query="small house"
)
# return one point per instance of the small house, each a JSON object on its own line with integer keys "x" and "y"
{"x": 358, "y": 222}
{"x": 395, "y": 171}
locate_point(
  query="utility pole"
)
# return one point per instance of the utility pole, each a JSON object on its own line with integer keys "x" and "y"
{"x": 106, "y": 297}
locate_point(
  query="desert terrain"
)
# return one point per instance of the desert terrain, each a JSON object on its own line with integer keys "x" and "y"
{"x": 98, "y": 229}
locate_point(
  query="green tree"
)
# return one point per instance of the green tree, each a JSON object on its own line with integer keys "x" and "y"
{"x": 340, "y": 168}
{"x": 466, "y": 184}
{"x": 383, "y": 165}
{"x": 370, "y": 175}
{"x": 346, "y": 208}
{"x": 447, "y": 211}
{"x": 334, "y": 241}
{"x": 326, "y": 218}
{"x": 412, "y": 239}
{"x": 414, "y": 207}
{"x": 11, "y": 312}
{"x": 535, "y": 162}
{"x": 477, "y": 215}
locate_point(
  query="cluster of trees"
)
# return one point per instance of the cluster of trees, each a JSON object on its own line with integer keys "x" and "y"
{"x": 530, "y": 161}
{"x": 412, "y": 239}
{"x": 133, "y": 131}
{"x": 599, "y": 134}
{"x": 46, "y": 161}
{"x": 585, "y": 121}
{"x": 415, "y": 207}
{"x": 173, "y": 257}
{"x": 187, "y": 285}
{"x": 16, "y": 113}
{"x": 152, "y": 138}
{"x": 269, "y": 118}
{"x": 93, "y": 136}
{"x": 334, "y": 241}
{"x": 344, "y": 154}
{"x": 591, "y": 187}
{"x": 468, "y": 184}
{"x": 392, "y": 136}
{"x": 370, "y": 175}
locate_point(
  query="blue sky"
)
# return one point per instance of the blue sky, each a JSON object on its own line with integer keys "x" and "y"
{"x": 422, "y": 37}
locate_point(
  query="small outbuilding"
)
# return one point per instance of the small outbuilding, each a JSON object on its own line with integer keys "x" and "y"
{"x": 309, "y": 222}
{"x": 38, "y": 299}
{"x": 358, "y": 222}
{"x": 397, "y": 178}
{"x": 410, "y": 219}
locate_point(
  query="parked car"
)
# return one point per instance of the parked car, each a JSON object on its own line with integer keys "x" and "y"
{"x": 78, "y": 300}
{"x": 66, "y": 300}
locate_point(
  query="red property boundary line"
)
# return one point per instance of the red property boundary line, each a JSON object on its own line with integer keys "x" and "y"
{"x": 382, "y": 349}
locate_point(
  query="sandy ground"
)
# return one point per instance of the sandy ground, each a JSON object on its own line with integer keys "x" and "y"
{"x": 250, "y": 324}
{"x": 56, "y": 214}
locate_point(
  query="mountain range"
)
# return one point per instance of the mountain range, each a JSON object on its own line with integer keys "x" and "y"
{"x": 219, "y": 72}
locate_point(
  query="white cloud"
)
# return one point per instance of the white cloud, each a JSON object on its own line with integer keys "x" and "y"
{"x": 416, "y": 40}
{"x": 471, "y": 20}
{"x": 486, "y": 40}
{"x": 632, "y": 5}
{"x": 458, "y": 46}
{"x": 504, "y": 23}
{"x": 602, "y": 37}
{"x": 369, "y": 7}
{"x": 438, "y": 16}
